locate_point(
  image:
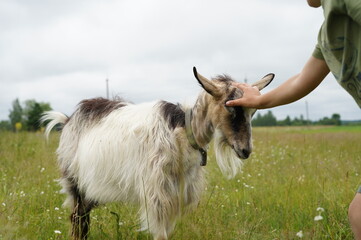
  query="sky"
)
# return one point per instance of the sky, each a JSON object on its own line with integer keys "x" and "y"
{"x": 61, "y": 52}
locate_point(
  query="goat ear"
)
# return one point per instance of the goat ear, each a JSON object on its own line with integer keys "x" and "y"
{"x": 264, "y": 81}
{"x": 207, "y": 84}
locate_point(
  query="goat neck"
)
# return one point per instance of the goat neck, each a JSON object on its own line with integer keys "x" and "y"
{"x": 201, "y": 122}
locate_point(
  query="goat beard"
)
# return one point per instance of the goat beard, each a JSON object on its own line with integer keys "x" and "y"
{"x": 226, "y": 157}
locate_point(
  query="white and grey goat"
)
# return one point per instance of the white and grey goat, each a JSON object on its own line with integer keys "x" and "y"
{"x": 151, "y": 154}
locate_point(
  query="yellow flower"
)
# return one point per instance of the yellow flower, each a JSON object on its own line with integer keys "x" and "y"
{"x": 18, "y": 126}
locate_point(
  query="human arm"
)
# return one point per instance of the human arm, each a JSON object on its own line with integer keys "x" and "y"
{"x": 295, "y": 88}
{"x": 314, "y": 3}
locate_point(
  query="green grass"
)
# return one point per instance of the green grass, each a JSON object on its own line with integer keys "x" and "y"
{"x": 291, "y": 173}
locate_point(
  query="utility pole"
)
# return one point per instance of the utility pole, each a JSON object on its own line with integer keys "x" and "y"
{"x": 107, "y": 87}
{"x": 307, "y": 116}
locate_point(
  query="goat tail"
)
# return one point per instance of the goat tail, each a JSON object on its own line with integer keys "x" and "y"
{"x": 54, "y": 118}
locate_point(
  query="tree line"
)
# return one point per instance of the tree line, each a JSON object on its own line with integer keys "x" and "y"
{"x": 25, "y": 116}
{"x": 268, "y": 119}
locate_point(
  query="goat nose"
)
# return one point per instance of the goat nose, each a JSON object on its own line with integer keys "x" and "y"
{"x": 246, "y": 153}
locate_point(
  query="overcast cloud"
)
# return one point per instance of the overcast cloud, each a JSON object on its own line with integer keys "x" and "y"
{"x": 62, "y": 51}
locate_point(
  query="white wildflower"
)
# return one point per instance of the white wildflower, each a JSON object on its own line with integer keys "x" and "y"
{"x": 318, "y": 218}
{"x": 299, "y": 234}
{"x": 42, "y": 170}
{"x": 4, "y": 204}
{"x": 57, "y": 232}
{"x": 320, "y": 209}
{"x": 56, "y": 209}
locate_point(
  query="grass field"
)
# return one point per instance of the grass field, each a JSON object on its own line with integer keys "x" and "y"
{"x": 293, "y": 174}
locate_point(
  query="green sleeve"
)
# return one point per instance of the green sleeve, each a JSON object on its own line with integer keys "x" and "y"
{"x": 353, "y": 8}
{"x": 317, "y": 53}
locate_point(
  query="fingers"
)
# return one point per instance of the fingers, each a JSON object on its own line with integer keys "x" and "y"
{"x": 235, "y": 102}
{"x": 249, "y": 98}
{"x": 240, "y": 85}
{"x": 244, "y": 86}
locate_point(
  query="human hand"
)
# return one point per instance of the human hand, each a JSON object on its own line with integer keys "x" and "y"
{"x": 250, "y": 98}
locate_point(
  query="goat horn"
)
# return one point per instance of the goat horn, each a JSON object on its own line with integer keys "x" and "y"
{"x": 207, "y": 85}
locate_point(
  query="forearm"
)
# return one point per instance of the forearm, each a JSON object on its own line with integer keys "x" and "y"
{"x": 297, "y": 86}
{"x": 279, "y": 96}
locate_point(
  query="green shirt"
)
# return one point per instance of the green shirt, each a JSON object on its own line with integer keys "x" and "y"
{"x": 339, "y": 43}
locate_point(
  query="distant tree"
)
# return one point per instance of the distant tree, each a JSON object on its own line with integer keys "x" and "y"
{"x": 16, "y": 114}
{"x": 32, "y": 112}
{"x": 286, "y": 122}
{"x": 5, "y": 125}
{"x": 336, "y": 119}
{"x": 28, "y": 116}
{"x": 299, "y": 121}
{"x": 266, "y": 120}
{"x": 33, "y": 123}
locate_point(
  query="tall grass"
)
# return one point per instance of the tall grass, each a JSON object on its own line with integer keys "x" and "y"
{"x": 292, "y": 172}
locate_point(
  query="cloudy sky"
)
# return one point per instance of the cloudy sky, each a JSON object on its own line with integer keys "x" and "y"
{"x": 62, "y": 51}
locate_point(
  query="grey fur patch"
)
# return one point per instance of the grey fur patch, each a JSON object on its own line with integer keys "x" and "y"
{"x": 97, "y": 108}
{"x": 173, "y": 114}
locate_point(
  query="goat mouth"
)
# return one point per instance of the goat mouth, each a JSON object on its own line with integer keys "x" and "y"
{"x": 241, "y": 153}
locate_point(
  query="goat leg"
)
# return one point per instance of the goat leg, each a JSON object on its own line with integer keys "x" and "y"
{"x": 80, "y": 219}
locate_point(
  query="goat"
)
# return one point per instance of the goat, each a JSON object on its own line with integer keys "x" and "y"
{"x": 150, "y": 154}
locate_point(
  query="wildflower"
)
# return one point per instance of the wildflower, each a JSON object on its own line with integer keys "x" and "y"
{"x": 320, "y": 209}
{"x": 56, "y": 209}
{"x": 299, "y": 234}
{"x": 57, "y": 232}
{"x": 42, "y": 170}
{"x": 4, "y": 204}
{"x": 18, "y": 126}
{"x": 318, "y": 218}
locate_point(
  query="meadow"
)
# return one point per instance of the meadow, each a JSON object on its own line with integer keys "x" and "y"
{"x": 297, "y": 184}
